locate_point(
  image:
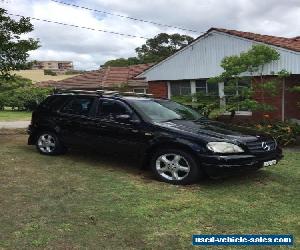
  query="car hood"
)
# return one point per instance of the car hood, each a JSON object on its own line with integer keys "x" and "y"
{"x": 213, "y": 130}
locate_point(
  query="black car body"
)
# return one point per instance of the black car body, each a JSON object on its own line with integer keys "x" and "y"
{"x": 140, "y": 125}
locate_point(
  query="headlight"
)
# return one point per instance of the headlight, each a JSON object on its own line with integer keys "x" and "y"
{"x": 224, "y": 147}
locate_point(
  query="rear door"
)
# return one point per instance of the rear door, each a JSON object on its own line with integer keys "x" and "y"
{"x": 74, "y": 120}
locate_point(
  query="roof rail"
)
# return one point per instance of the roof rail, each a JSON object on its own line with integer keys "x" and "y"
{"x": 75, "y": 91}
{"x": 108, "y": 92}
{"x": 101, "y": 92}
{"x": 136, "y": 94}
{"x": 128, "y": 93}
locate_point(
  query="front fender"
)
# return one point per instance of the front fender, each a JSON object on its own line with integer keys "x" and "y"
{"x": 156, "y": 143}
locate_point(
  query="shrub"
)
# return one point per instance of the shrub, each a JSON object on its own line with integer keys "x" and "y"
{"x": 26, "y": 98}
{"x": 13, "y": 82}
{"x": 284, "y": 132}
{"x": 49, "y": 72}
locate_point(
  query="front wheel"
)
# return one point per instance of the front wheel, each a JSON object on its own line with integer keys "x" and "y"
{"x": 175, "y": 166}
{"x": 48, "y": 143}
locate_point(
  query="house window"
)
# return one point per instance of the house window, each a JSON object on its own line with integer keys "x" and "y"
{"x": 180, "y": 88}
{"x": 201, "y": 86}
{"x": 140, "y": 90}
{"x": 207, "y": 88}
{"x": 234, "y": 91}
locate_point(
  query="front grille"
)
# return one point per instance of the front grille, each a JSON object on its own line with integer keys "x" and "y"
{"x": 261, "y": 146}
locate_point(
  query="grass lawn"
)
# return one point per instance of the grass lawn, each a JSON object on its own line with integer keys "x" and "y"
{"x": 91, "y": 201}
{"x": 9, "y": 115}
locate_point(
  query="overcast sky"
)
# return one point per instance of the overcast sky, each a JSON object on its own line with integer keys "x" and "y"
{"x": 89, "y": 49}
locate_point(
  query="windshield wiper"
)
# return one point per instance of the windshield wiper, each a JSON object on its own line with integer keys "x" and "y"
{"x": 175, "y": 119}
{"x": 201, "y": 119}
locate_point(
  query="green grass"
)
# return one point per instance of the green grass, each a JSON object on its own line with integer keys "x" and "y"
{"x": 88, "y": 201}
{"x": 9, "y": 115}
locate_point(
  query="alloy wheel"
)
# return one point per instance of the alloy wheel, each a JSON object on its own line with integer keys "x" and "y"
{"x": 172, "y": 167}
{"x": 46, "y": 143}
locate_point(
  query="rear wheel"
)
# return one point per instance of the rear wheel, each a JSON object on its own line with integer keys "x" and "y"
{"x": 175, "y": 166}
{"x": 48, "y": 143}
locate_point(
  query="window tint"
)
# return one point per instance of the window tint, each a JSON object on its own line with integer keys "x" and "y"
{"x": 201, "y": 86}
{"x": 180, "y": 88}
{"x": 78, "y": 106}
{"x": 53, "y": 102}
{"x": 204, "y": 87}
{"x": 162, "y": 110}
{"x": 111, "y": 107}
{"x": 213, "y": 88}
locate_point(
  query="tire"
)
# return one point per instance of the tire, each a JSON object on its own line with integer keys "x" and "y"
{"x": 175, "y": 166}
{"x": 48, "y": 143}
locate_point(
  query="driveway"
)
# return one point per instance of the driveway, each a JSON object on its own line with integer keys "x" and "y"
{"x": 15, "y": 124}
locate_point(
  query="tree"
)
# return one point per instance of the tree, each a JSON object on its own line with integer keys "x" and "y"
{"x": 249, "y": 63}
{"x": 122, "y": 62}
{"x": 14, "y": 83}
{"x": 240, "y": 83}
{"x": 23, "y": 98}
{"x": 161, "y": 46}
{"x": 154, "y": 50}
{"x": 13, "y": 47}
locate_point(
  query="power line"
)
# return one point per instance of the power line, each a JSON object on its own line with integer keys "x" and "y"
{"x": 122, "y": 16}
{"x": 77, "y": 26}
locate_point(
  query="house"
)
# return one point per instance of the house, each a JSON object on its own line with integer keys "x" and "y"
{"x": 53, "y": 65}
{"x": 187, "y": 71}
{"x": 105, "y": 78}
{"x": 37, "y": 75}
{"x": 59, "y": 67}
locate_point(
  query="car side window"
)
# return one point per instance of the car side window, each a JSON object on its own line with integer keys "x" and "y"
{"x": 78, "y": 106}
{"x": 112, "y": 108}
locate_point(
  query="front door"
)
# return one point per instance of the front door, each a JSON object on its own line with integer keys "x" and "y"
{"x": 119, "y": 129}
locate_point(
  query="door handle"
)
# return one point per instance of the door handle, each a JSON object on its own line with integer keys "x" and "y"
{"x": 134, "y": 131}
{"x": 99, "y": 125}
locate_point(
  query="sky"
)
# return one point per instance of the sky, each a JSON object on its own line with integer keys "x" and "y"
{"x": 89, "y": 49}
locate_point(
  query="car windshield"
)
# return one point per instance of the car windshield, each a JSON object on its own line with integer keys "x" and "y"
{"x": 165, "y": 110}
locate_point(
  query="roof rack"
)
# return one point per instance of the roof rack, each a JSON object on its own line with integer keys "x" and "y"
{"x": 136, "y": 94}
{"x": 102, "y": 92}
{"x": 144, "y": 95}
{"x": 111, "y": 92}
{"x": 75, "y": 91}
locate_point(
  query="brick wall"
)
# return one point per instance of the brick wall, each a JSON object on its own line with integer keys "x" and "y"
{"x": 263, "y": 97}
{"x": 291, "y": 100}
{"x": 158, "y": 89}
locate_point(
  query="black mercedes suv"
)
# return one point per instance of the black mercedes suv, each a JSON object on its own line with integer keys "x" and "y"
{"x": 178, "y": 143}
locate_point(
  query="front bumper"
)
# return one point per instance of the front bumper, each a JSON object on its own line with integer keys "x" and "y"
{"x": 223, "y": 165}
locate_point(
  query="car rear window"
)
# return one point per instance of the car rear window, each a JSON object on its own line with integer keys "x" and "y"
{"x": 53, "y": 102}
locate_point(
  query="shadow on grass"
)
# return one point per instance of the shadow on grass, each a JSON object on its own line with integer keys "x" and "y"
{"x": 133, "y": 166}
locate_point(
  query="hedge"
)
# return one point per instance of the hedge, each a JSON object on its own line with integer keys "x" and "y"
{"x": 25, "y": 98}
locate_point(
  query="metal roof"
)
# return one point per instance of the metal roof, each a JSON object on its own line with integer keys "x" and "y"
{"x": 202, "y": 58}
